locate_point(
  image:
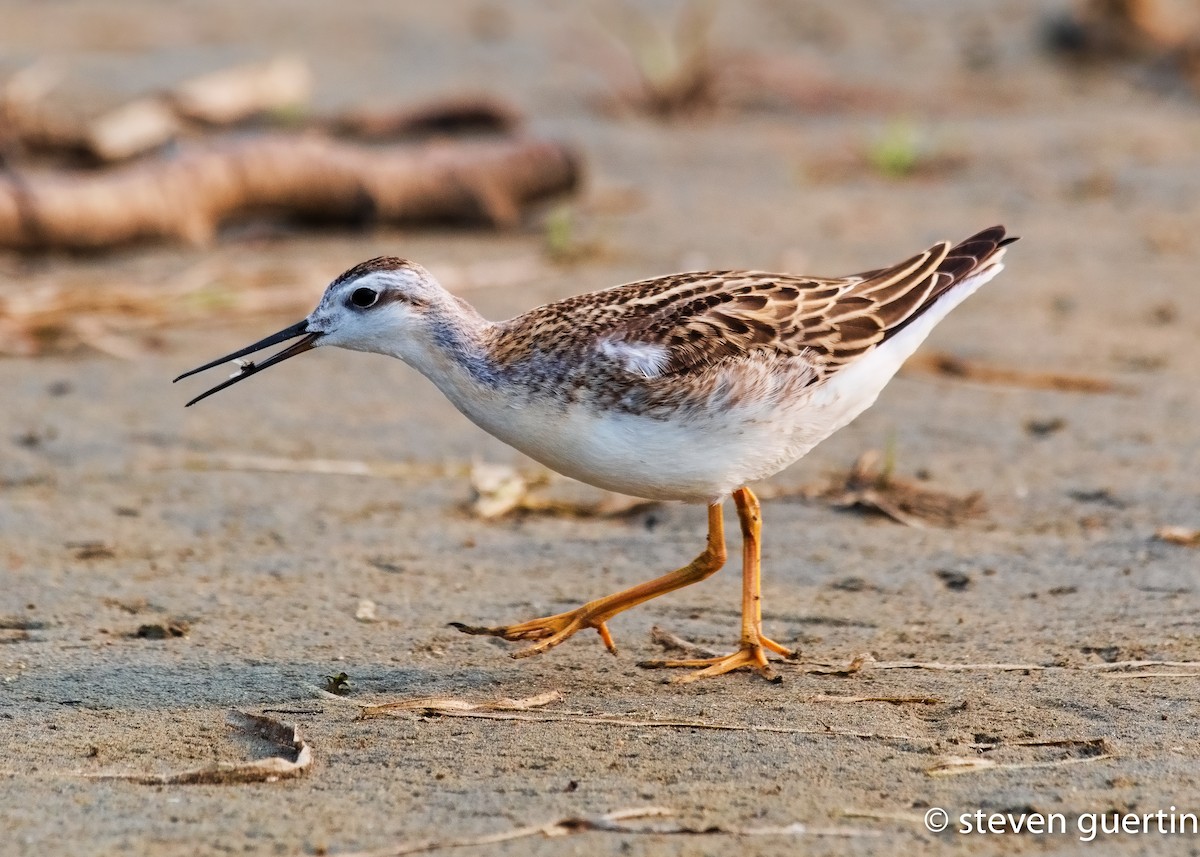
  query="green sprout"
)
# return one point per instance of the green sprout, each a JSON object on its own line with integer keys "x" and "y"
{"x": 559, "y": 234}
{"x": 897, "y": 152}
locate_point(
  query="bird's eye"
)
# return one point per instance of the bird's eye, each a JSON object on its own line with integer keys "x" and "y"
{"x": 363, "y": 298}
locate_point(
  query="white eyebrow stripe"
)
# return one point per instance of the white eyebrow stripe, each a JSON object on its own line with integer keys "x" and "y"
{"x": 647, "y": 359}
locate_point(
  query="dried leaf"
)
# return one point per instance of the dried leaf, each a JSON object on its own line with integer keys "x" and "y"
{"x": 502, "y": 490}
{"x": 1178, "y": 536}
{"x": 499, "y": 490}
{"x": 294, "y": 759}
{"x": 365, "y": 612}
{"x": 869, "y": 486}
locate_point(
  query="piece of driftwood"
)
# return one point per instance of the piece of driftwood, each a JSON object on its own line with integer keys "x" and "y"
{"x": 147, "y": 123}
{"x": 280, "y": 86}
{"x": 1099, "y": 28}
{"x": 1165, "y": 34}
{"x": 275, "y": 92}
{"x": 449, "y": 114}
{"x": 188, "y": 196}
{"x": 234, "y": 94}
{"x": 135, "y": 127}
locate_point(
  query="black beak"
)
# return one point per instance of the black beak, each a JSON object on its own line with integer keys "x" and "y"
{"x": 299, "y": 329}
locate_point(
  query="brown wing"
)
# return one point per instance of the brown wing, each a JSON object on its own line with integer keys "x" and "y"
{"x": 695, "y": 320}
{"x": 713, "y": 317}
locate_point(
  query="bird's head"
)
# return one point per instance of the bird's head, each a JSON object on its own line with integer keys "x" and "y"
{"x": 375, "y": 305}
{"x": 381, "y": 305}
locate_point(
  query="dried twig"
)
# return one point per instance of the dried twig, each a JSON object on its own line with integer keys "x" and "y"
{"x": 431, "y": 705}
{"x": 520, "y": 710}
{"x": 864, "y": 662}
{"x": 941, "y": 363}
{"x": 891, "y": 700}
{"x": 1136, "y": 670}
{"x": 672, "y": 643}
{"x": 629, "y": 721}
{"x": 1087, "y": 746}
{"x": 868, "y": 485}
{"x": 943, "y": 667}
{"x": 1115, "y": 666}
{"x": 859, "y": 663}
{"x": 950, "y": 766}
{"x": 611, "y": 822}
{"x": 1083, "y": 750}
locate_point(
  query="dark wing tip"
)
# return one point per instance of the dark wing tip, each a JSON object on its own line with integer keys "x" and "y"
{"x": 973, "y": 252}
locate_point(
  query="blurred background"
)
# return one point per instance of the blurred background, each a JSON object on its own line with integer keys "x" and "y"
{"x": 180, "y": 179}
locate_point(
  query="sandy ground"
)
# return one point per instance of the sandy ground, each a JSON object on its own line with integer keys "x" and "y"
{"x": 119, "y": 508}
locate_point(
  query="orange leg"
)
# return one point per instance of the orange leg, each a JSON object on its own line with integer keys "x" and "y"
{"x": 552, "y": 630}
{"x": 753, "y": 646}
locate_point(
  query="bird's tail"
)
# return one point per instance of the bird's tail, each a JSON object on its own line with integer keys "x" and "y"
{"x": 968, "y": 264}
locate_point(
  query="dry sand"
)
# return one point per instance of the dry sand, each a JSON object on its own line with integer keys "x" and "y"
{"x": 119, "y": 508}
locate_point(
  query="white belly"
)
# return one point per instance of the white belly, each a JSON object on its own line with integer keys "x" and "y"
{"x": 700, "y": 456}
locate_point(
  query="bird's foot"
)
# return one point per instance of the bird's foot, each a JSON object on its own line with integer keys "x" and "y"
{"x": 751, "y": 654}
{"x": 548, "y": 630}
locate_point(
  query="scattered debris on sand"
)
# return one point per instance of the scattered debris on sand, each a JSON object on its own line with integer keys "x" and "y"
{"x": 870, "y": 485}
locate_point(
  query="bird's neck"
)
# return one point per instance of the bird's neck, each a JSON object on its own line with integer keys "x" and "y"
{"x": 456, "y": 352}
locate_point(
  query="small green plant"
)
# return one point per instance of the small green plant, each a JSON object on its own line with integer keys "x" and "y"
{"x": 888, "y": 470}
{"x": 561, "y": 239}
{"x": 559, "y": 233}
{"x": 898, "y": 151}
